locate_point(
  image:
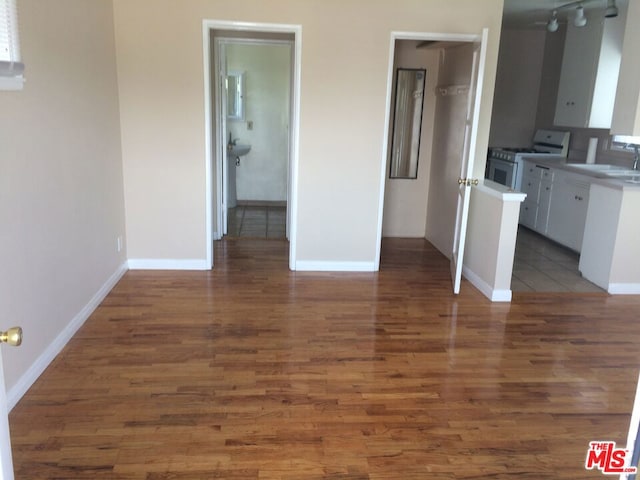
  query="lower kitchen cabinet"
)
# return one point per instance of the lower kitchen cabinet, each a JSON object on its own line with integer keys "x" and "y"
{"x": 537, "y": 184}
{"x": 556, "y": 203}
{"x": 568, "y": 209}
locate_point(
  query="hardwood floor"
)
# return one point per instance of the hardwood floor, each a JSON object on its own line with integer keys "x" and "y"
{"x": 251, "y": 371}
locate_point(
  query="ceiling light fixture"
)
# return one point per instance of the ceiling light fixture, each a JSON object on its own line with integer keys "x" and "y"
{"x": 612, "y": 10}
{"x": 580, "y": 20}
{"x": 552, "y": 25}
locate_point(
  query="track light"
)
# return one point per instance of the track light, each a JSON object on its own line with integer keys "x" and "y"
{"x": 552, "y": 25}
{"x": 612, "y": 10}
{"x": 580, "y": 20}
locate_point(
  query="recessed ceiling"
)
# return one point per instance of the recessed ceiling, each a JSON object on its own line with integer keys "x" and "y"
{"x": 536, "y": 13}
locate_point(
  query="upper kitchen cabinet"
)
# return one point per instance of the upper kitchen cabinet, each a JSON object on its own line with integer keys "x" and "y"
{"x": 590, "y": 69}
{"x": 626, "y": 113}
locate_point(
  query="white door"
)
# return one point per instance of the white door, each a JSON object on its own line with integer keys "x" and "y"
{"x": 13, "y": 337}
{"x": 468, "y": 157}
{"x": 6, "y": 464}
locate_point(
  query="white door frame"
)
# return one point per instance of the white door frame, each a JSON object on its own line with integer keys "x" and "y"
{"x": 220, "y": 68}
{"x": 423, "y": 36}
{"x": 215, "y": 161}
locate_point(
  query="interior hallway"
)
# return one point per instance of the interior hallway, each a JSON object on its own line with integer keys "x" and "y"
{"x": 251, "y": 371}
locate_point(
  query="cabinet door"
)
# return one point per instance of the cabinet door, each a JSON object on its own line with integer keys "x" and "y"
{"x": 544, "y": 203}
{"x": 530, "y": 186}
{"x": 578, "y": 73}
{"x": 568, "y": 210}
{"x": 528, "y": 213}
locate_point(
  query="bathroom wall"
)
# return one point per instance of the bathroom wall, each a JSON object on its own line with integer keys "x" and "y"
{"x": 262, "y": 173}
{"x": 405, "y": 200}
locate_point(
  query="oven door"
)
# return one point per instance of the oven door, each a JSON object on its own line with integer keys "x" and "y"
{"x": 502, "y": 172}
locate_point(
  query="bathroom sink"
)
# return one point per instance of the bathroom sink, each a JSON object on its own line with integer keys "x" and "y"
{"x": 238, "y": 150}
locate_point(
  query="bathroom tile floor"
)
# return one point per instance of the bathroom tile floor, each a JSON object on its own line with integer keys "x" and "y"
{"x": 541, "y": 265}
{"x": 263, "y": 221}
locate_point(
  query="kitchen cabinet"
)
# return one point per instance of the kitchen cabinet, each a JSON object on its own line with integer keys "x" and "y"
{"x": 589, "y": 73}
{"x": 537, "y": 184}
{"x": 568, "y": 209}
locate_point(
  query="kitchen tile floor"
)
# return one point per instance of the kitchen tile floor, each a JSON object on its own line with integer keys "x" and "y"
{"x": 264, "y": 221}
{"x": 541, "y": 265}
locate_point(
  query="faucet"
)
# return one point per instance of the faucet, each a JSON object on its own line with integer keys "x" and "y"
{"x": 232, "y": 141}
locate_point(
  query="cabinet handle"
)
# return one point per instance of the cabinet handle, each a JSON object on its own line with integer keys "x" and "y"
{"x": 578, "y": 198}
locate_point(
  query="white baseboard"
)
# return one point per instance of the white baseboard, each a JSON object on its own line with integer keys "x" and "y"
{"x": 168, "y": 264}
{"x": 624, "y": 288}
{"x": 320, "y": 266}
{"x": 16, "y": 392}
{"x": 486, "y": 289}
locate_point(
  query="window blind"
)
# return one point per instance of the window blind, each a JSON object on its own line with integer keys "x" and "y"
{"x": 10, "y": 61}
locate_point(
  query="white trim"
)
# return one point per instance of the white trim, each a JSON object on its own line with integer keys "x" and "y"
{"x": 296, "y": 30}
{"x": 441, "y": 37}
{"x": 168, "y": 264}
{"x": 208, "y": 146}
{"x": 624, "y": 288}
{"x": 49, "y": 354}
{"x": 486, "y": 289}
{"x": 328, "y": 266}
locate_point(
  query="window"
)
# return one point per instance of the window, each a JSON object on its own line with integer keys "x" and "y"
{"x": 11, "y": 66}
{"x": 624, "y": 142}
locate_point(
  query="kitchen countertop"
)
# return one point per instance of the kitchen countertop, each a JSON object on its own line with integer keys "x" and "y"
{"x": 592, "y": 176}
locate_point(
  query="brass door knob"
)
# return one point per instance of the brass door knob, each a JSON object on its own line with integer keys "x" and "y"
{"x": 468, "y": 181}
{"x": 13, "y": 336}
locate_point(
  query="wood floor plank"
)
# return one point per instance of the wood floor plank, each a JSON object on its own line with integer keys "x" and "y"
{"x": 251, "y": 371}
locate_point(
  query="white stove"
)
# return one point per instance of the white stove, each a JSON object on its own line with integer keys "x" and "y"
{"x": 505, "y": 165}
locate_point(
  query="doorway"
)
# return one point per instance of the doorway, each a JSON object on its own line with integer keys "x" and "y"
{"x": 257, "y": 74}
{"x": 433, "y": 205}
{"x": 252, "y": 146}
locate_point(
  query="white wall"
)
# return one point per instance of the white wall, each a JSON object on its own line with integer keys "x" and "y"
{"x": 518, "y": 78}
{"x": 262, "y": 174}
{"x": 342, "y": 117}
{"x": 61, "y": 195}
{"x": 405, "y": 201}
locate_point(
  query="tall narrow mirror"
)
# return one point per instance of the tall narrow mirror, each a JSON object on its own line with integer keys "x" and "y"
{"x": 407, "y": 122}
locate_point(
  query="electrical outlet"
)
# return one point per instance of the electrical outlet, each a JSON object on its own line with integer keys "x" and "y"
{"x": 119, "y": 243}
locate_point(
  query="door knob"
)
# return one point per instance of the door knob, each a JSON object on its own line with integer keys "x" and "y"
{"x": 467, "y": 181}
{"x": 13, "y": 336}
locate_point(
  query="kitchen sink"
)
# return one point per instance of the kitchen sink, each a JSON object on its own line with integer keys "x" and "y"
{"x": 623, "y": 173}
{"x": 596, "y": 167}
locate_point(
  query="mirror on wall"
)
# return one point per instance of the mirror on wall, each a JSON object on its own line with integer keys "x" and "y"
{"x": 235, "y": 96}
{"x": 407, "y": 122}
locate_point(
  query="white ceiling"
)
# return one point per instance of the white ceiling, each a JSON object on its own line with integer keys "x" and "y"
{"x": 536, "y": 13}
